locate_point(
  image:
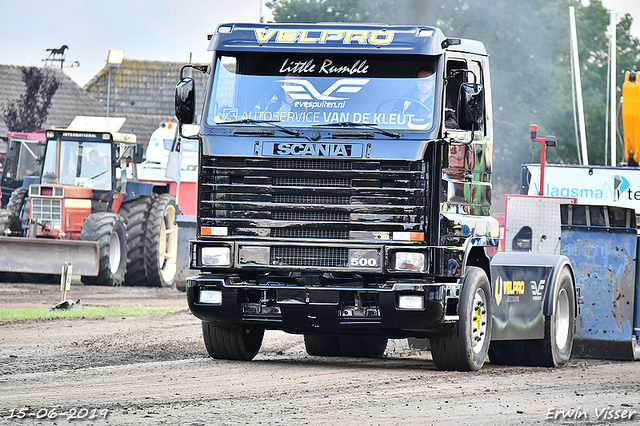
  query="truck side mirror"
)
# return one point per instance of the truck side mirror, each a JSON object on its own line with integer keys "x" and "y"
{"x": 470, "y": 106}
{"x": 185, "y": 100}
{"x": 138, "y": 154}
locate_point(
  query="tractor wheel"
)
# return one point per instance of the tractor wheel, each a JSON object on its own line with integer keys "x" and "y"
{"x": 465, "y": 346}
{"x": 135, "y": 213}
{"x": 161, "y": 242}
{"x": 10, "y": 225}
{"x": 322, "y": 344}
{"x": 108, "y": 229}
{"x": 362, "y": 346}
{"x": 238, "y": 343}
{"x": 17, "y": 200}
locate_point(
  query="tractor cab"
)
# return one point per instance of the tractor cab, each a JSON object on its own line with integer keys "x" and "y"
{"x": 82, "y": 173}
{"x": 80, "y": 158}
{"x": 23, "y": 162}
{"x": 89, "y": 192}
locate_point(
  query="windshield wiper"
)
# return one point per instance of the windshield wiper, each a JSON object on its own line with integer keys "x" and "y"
{"x": 353, "y": 124}
{"x": 269, "y": 122}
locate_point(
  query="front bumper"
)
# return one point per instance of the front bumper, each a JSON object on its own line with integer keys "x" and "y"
{"x": 314, "y": 309}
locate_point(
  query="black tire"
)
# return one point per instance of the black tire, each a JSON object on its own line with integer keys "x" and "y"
{"x": 419, "y": 343}
{"x": 363, "y": 346}
{"x": 10, "y": 225}
{"x": 465, "y": 346}
{"x": 559, "y": 327}
{"x": 236, "y": 343}
{"x": 508, "y": 352}
{"x": 322, "y": 345}
{"x": 16, "y": 200}
{"x": 136, "y": 213}
{"x": 161, "y": 242}
{"x": 108, "y": 229}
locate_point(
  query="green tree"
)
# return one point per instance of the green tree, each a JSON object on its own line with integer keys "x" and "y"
{"x": 30, "y": 111}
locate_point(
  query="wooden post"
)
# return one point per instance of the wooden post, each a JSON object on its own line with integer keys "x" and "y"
{"x": 65, "y": 280}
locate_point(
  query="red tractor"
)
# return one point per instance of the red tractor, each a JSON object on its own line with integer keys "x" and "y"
{"x": 89, "y": 191}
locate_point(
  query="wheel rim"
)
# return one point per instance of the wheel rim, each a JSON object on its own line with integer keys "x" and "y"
{"x": 168, "y": 241}
{"x": 114, "y": 252}
{"x": 562, "y": 319}
{"x": 479, "y": 320}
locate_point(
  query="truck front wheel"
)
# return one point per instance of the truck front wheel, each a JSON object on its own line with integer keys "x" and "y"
{"x": 465, "y": 346}
{"x": 239, "y": 343}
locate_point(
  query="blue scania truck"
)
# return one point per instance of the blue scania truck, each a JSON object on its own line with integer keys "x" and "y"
{"x": 344, "y": 191}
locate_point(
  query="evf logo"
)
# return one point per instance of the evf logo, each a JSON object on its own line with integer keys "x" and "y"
{"x": 537, "y": 289}
{"x": 620, "y": 185}
{"x": 302, "y": 90}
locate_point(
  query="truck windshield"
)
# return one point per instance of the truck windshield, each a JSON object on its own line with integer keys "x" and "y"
{"x": 87, "y": 164}
{"x": 302, "y": 90}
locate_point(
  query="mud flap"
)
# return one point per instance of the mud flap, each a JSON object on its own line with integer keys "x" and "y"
{"x": 522, "y": 293}
{"x": 44, "y": 256}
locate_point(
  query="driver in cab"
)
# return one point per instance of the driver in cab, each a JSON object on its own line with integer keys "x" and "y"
{"x": 419, "y": 102}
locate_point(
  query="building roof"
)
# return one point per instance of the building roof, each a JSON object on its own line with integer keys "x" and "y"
{"x": 141, "y": 87}
{"x": 67, "y": 102}
{"x": 141, "y": 91}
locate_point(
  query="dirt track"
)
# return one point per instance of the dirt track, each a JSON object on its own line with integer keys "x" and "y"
{"x": 155, "y": 370}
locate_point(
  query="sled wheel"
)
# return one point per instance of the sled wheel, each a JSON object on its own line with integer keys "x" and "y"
{"x": 555, "y": 349}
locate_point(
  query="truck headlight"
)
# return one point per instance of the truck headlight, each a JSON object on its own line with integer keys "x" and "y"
{"x": 411, "y": 301}
{"x": 216, "y": 256}
{"x": 211, "y": 297}
{"x": 409, "y": 261}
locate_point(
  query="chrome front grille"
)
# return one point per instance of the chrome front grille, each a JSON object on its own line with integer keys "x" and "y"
{"x": 312, "y": 198}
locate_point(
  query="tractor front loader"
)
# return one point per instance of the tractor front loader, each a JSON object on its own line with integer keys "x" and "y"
{"x": 89, "y": 209}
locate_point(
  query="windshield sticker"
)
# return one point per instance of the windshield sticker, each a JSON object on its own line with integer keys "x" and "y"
{"x": 327, "y": 67}
{"x": 324, "y": 90}
{"x": 300, "y": 89}
{"x": 376, "y": 38}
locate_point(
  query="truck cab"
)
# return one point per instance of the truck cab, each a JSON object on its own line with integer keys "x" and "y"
{"x": 344, "y": 190}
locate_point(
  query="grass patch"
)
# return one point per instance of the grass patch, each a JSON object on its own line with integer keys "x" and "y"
{"x": 8, "y": 315}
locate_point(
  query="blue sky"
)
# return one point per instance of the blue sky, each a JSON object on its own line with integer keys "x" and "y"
{"x": 161, "y": 30}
